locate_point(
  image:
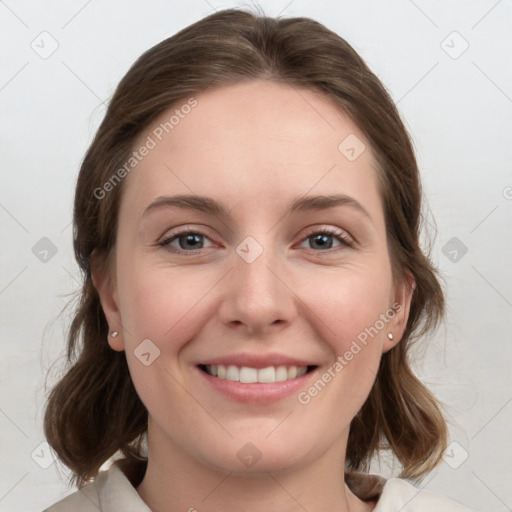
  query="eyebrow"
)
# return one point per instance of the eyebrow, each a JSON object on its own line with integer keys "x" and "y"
{"x": 301, "y": 204}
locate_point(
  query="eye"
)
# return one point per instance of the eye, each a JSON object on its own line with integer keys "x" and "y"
{"x": 322, "y": 239}
{"x": 188, "y": 240}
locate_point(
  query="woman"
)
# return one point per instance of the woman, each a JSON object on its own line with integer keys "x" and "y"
{"x": 266, "y": 363}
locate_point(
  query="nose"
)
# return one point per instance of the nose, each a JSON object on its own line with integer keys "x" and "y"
{"x": 258, "y": 296}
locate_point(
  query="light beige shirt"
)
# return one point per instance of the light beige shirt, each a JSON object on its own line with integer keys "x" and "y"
{"x": 114, "y": 491}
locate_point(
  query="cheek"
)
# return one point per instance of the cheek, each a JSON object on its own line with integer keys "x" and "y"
{"x": 160, "y": 304}
{"x": 157, "y": 301}
{"x": 354, "y": 325}
{"x": 351, "y": 302}
{"x": 355, "y": 318}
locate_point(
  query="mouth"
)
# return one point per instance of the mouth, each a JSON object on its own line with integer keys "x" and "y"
{"x": 250, "y": 375}
{"x": 253, "y": 378}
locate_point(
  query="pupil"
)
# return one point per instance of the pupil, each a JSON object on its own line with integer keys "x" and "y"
{"x": 323, "y": 237}
{"x": 190, "y": 239}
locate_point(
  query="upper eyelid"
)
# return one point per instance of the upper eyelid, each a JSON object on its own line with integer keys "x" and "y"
{"x": 183, "y": 231}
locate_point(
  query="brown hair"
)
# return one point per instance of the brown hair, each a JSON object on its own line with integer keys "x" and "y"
{"x": 94, "y": 411}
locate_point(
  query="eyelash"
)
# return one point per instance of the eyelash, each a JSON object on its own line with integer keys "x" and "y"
{"x": 341, "y": 236}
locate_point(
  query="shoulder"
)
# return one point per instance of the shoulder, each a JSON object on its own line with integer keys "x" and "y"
{"x": 111, "y": 491}
{"x": 85, "y": 499}
{"x": 398, "y": 494}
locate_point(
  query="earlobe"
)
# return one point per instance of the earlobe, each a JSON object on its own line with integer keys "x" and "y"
{"x": 108, "y": 298}
{"x": 115, "y": 341}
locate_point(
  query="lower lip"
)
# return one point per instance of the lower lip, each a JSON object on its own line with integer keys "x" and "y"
{"x": 257, "y": 392}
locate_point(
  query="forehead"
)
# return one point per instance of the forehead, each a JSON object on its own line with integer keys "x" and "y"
{"x": 253, "y": 140}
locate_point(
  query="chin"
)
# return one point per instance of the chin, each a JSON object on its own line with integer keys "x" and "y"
{"x": 252, "y": 458}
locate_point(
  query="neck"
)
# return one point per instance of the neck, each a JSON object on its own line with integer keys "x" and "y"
{"x": 176, "y": 482}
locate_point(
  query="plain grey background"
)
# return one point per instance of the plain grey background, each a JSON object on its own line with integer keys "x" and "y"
{"x": 446, "y": 64}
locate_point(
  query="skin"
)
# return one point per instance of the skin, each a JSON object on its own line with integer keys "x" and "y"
{"x": 253, "y": 146}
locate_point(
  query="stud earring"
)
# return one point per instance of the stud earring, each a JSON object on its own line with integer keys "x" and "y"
{"x": 113, "y": 334}
{"x": 390, "y": 336}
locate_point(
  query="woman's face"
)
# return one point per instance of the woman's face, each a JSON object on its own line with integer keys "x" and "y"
{"x": 239, "y": 281}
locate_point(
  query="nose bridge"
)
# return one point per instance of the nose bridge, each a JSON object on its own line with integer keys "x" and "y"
{"x": 257, "y": 295}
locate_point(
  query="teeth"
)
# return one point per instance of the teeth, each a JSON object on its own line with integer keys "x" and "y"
{"x": 267, "y": 374}
{"x": 281, "y": 373}
{"x": 301, "y": 370}
{"x": 248, "y": 374}
{"x": 252, "y": 375}
{"x": 292, "y": 372}
{"x": 232, "y": 373}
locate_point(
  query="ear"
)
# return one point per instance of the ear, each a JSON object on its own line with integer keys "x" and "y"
{"x": 106, "y": 288}
{"x": 401, "y": 307}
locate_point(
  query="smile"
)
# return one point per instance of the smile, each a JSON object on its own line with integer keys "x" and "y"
{"x": 248, "y": 375}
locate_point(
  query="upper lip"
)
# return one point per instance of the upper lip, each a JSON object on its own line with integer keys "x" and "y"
{"x": 257, "y": 360}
